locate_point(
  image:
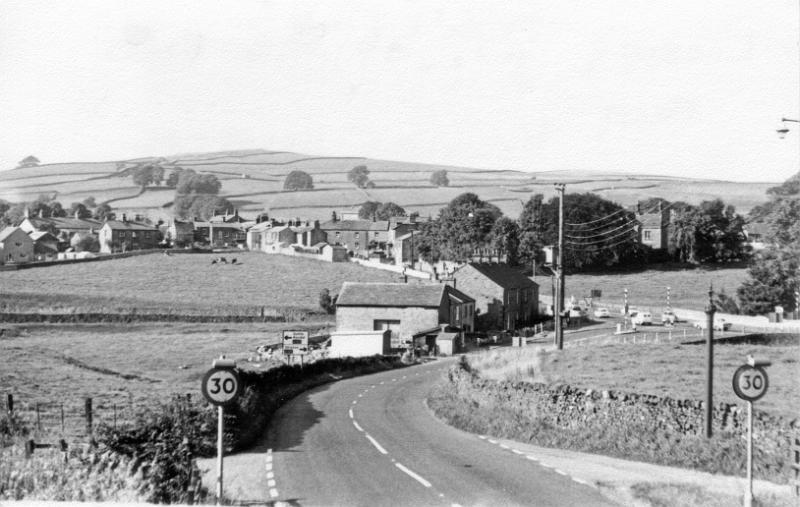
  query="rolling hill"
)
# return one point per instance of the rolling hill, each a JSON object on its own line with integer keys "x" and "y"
{"x": 253, "y": 181}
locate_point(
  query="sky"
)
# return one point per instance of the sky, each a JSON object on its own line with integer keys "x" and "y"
{"x": 670, "y": 87}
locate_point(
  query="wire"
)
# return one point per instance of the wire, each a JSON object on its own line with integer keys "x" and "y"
{"x": 600, "y": 241}
{"x": 627, "y": 224}
{"x": 626, "y": 240}
{"x": 649, "y": 210}
{"x": 598, "y": 220}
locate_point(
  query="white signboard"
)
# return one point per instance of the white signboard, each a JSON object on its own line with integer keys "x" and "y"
{"x": 295, "y": 342}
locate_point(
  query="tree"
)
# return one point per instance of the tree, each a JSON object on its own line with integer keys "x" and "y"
{"x": 189, "y": 182}
{"x": 326, "y": 302}
{"x": 359, "y": 175}
{"x": 298, "y": 180}
{"x": 380, "y": 211}
{"x": 200, "y": 206}
{"x": 89, "y": 202}
{"x": 531, "y": 229}
{"x": 172, "y": 179}
{"x": 773, "y": 273}
{"x": 463, "y": 226}
{"x": 85, "y": 242}
{"x": 103, "y": 212}
{"x": 439, "y": 178}
{"x": 712, "y": 232}
{"x": 505, "y": 239}
{"x": 79, "y": 210}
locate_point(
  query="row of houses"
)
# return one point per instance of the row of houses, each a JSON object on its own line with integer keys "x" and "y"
{"x": 39, "y": 239}
{"x": 377, "y": 318}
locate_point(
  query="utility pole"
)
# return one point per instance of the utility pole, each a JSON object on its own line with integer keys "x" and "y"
{"x": 710, "y": 310}
{"x": 559, "y": 303}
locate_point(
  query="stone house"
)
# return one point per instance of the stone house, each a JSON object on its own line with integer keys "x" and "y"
{"x": 504, "y": 297}
{"x": 62, "y": 228}
{"x": 124, "y": 236}
{"x": 16, "y": 246}
{"x": 358, "y": 236}
{"x": 180, "y": 233}
{"x": 654, "y": 226}
{"x": 404, "y": 309}
{"x": 45, "y": 245}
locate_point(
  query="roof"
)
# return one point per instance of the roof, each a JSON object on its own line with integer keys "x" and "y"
{"x": 503, "y": 275}
{"x": 65, "y": 223}
{"x": 355, "y": 225}
{"x": 404, "y": 237}
{"x": 8, "y": 231}
{"x": 395, "y": 294}
{"x": 652, "y": 220}
{"x": 263, "y": 226}
{"x": 37, "y": 235}
{"x": 129, "y": 226}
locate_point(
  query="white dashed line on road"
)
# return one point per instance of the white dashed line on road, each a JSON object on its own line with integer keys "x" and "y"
{"x": 351, "y": 413}
{"x": 273, "y": 491}
{"x": 516, "y": 451}
{"x": 376, "y": 444}
{"x": 359, "y": 428}
{"x": 271, "y": 483}
{"x": 561, "y": 472}
{"x": 413, "y": 475}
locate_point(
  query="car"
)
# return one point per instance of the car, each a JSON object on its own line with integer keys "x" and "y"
{"x": 642, "y": 318}
{"x": 668, "y": 317}
{"x": 602, "y": 313}
{"x": 720, "y": 324}
{"x": 576, "y": 312}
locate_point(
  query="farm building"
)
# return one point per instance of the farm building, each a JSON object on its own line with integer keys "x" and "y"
{"x": 504, "y": 297}
{"x": 63, "y": 228}
{"x": 124, "y": 235}
{"x": 16, "y": 247}
{"x": 45, "y": 245}
{"x": 180, "y": 233}
{"x": 407, "y": 310}
{"x": 654, "y": 230}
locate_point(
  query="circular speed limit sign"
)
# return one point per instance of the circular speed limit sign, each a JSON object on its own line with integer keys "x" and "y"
{"x": 750, "y": 382}
{"x": 221, "y": 386}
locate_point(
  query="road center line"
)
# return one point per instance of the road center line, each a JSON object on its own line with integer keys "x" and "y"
{"x": 273, "y": 493}
{"x": 517, "y": 451}
{"x": 350, "y": 412}
{"x": 359, "y": 428}
{"x": 376, "y": 444}
{"x": 413, "y": 475}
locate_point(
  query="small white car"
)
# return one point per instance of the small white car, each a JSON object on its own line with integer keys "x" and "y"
{"x": 720, "y": 324}
{"x": 602, "y": 313}
{"x": 668, "y": 317}
{"x": 642, "y": 318}
{"x": 576, "y": 312}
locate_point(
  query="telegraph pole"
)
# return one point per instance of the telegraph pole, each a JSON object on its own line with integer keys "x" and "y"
{"x": 710, "y": 310}
{"x": 559, "y": 303}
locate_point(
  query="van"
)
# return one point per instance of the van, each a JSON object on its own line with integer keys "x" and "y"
{"x": 642, "y": 318}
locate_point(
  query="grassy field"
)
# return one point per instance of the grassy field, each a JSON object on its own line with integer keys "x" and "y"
{"x": 648, "y": 289}
{"x": 672, "y": 370}
{"x": 130, "y": 366}
{"x": 253, "y": 180}
{"x": 160, "y": 283}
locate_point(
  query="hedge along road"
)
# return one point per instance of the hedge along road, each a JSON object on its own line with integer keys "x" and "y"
{"x": 372, "y": 441}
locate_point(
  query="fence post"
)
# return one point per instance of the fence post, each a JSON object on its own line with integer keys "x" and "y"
{"x": 10, "y": 404}
{"x": 88, "y": 412}
{"x": 115, "y": 416}
{"x": 62, "y": 418}
{"x": 38, "y": 418}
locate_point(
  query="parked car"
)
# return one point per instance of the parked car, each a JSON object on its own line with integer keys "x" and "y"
{"x": 668, "y": 317}
{"x": 720, "y": 324}
{"x": 602, "y": 313}
{"x": 642, "y": 318}
{"x": 576, "y": 312}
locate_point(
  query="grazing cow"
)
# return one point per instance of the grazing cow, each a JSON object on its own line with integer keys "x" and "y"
{"x": 233, "y": 261}
{"x": 223, "y": 260}
{"x": 213, "y": 261}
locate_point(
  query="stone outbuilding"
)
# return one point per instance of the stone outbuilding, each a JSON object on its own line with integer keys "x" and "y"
{"x": 16, "y": 246}
{"x": 404, "y": 309}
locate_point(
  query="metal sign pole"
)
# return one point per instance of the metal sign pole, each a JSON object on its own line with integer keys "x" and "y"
{"x": 748, "y": 495}
{"x": 220, "y": 431}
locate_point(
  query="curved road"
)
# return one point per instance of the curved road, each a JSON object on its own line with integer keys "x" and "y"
{"x": 372, "y": 441}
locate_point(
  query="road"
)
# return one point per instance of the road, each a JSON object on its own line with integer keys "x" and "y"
{"x": 372, "y": 441}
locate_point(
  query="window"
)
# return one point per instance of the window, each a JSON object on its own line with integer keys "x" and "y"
{"x": 122, "y": 234}
{"x": 337, "y": 234}
{"x": 133, "y": 234}
{"x": 357, "y": 245}
{"x": 356, "y": 236}
{"x": 376, "y": 234}
{"x": 147, "y": 235}
{"x": 227, "y": 234}
{"x": 647, "y": 235}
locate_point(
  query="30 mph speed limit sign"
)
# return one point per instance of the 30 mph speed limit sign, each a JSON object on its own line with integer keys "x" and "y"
{"x": 750, "y": 382}
{"x": 221, "y": 386}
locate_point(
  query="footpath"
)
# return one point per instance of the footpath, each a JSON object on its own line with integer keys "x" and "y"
{"x": 615, "y": 477}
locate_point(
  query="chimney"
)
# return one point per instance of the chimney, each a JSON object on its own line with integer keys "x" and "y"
{"x": 374, "y": 217}
{"x": 27, "y": 212}
{"x": 333, "y": 216}
{"x": 124, "y": 218}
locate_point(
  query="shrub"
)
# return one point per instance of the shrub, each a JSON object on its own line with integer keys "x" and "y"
{"x": 298, "y": 180}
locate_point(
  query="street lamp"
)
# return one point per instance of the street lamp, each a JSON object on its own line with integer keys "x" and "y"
{"x": 784, "y": 129}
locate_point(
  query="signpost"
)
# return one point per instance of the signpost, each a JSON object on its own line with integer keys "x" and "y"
{"x": 295, "y": 343}
{"x": 750, "y": 383}
{"x": 221, "y": 386}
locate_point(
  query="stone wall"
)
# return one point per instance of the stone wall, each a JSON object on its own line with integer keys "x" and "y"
{"x": 633, "y": 426}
